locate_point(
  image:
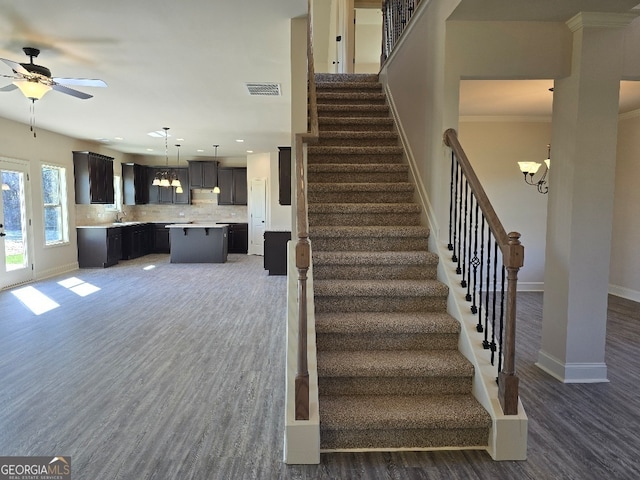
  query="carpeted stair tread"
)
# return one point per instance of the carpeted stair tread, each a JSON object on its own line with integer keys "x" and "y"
{"x": 380, "y": 288}
{"x": 363, "y": 412}
{"x": 364, "y": 208}
{"x": 346, "y": 77}
{"x": 361, "y": 187}
{"x": 345, "y": 85}
{"x": 370, "y": 231}
{"x": 355, "y": 135}
{"x": 357, "y": 168}
{"x": 358, "y": 150}
{"x": 386, "y": 323}
{"x": 356, "y": 121}
{"x": 393, "y": 363}
{"x": 345, "y": 98}
{"x": 375, "y": 258}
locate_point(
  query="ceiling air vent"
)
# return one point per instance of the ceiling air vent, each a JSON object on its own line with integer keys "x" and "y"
{"x": 264, "y": 89}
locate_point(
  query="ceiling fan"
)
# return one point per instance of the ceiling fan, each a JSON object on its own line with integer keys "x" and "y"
{"x": 34, "y": 81}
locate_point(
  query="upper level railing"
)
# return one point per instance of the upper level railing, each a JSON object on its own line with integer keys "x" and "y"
{"x": 303, "y": 247}
{"x": 395, "y": 17}
{"x": 483, "y": 252}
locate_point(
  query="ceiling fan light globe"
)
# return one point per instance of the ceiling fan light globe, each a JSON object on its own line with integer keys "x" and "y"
{"x": 32, "y": 90}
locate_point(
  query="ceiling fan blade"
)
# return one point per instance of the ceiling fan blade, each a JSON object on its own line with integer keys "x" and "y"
{"x": 80, "y": 82}
{"x": 70, "y": 91}
{"x": 16, "y": 67}
{"x": 8, "y": 88}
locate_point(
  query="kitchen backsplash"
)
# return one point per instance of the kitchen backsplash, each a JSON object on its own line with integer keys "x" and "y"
{"x": 202, "y": 209}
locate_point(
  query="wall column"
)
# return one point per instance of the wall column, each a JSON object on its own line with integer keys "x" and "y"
{"x": 580, "y": 206}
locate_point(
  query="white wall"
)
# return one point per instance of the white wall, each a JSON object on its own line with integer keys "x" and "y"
{"x": 625, "y": 258}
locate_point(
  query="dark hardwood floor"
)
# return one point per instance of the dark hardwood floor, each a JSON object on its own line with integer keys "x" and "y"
{"x": 177, "y": 372}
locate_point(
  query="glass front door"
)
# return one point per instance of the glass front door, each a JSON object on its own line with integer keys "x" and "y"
{"x": 15, "y": 261}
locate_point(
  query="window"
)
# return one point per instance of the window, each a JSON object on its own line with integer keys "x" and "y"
{"x": 116, "y": 206}
{"x": 54, "y": 194}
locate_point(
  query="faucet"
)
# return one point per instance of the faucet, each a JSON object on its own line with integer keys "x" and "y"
{"x": 119, "y": 218}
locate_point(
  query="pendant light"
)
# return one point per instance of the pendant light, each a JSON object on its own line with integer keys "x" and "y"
{"x": 216, "y": 189}
{"x": 176, "y": 182}
{"x": 163, "y": 178}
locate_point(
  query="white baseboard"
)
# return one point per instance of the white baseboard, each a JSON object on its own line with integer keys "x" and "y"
{"x": 572, "y": 372}
{"x": 52, "y": 272}
{"x": 624, "y": 293}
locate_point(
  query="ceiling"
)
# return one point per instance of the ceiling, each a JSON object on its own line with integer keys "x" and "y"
{"x": 176, "y": 65}
{"x": 182, "y": 65}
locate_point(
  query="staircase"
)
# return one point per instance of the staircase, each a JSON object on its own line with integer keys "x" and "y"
{"x": 389, "y": 371}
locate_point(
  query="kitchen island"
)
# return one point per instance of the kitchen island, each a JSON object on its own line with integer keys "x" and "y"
{"x": 198, "y": 242}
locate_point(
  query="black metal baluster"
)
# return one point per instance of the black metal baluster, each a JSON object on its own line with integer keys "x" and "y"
{"x": 454, "y": 257}
{"x": 469, "y": 244}
{"x": 495, "y": 298}
{"x": 453, "y": 164}
{"x": 458, "y": 269}
{"x": 479, "y": 327}
{"x": 464, "y": 256}
{"x": 471, "y": 297}
{"x": 485, "y": 343}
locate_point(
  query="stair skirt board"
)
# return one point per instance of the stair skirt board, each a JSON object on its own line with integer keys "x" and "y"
{"x": 390, "y": 375}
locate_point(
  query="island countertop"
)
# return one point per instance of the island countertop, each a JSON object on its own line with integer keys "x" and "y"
{"x": 197, "y": 225}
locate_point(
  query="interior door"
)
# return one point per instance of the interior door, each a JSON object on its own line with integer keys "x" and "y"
{"x": 15, "y": 252}
{"x": 258, "y": 216}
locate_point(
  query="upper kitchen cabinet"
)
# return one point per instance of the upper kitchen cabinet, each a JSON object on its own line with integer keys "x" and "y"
{"x": 136, "y": 191}
{"x": 93, "y": 178}
{"x": 284, "y": 175}
{"x": 233, "y": 186}
{"x": 203, "y": 174}
{"x": 168, "y": 195}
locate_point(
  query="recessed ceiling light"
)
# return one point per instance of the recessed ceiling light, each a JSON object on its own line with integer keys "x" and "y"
{"x": 149, "y": 149}
{"x": 199, "y": 150}
{"x": 119, "y": 138}
{"x": 159, "y": 134}
{"x": 249, "y": 151}
{"x": 239, "y": 140}
{"x": 179, "y": 139}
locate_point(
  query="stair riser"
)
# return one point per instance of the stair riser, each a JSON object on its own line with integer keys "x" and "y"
{"x": 350, "y": 98}
{"x": 360, "y": 197}
{"x": 354, "y": 126}
{"x": 329, "y": 78}
{"x": 403, "y": 438}
{"x": 394, "y": 385}
{"x": 381, "y": 111}
{"x": 379, "y": 304}
{"x": 360, "y": 244}
{"x": 390, "y": 341}
{"x": 374, "y": 272}
{"x": 363, "y": 219}
{"x": 390, "y": 141}
{"x": 357, "y": 177}
{"x": 326, "y": 158}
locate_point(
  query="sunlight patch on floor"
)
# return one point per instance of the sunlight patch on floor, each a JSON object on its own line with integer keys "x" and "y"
{"x": 35, "y": 300}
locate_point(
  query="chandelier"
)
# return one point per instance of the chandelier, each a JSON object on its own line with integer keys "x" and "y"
{"x": 529, "y": 169}
{"x": 166, "y": 178}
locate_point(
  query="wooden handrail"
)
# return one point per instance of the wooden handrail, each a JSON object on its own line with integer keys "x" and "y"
{"x": 512, "y": 259}
{"x": 303, "y": 247}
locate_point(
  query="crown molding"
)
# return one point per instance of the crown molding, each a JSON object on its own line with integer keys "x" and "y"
{"x": 600, "y": 20}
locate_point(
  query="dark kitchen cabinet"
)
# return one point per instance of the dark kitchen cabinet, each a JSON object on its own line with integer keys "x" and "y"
{"x": 168, "y": 195}
{"x": 99, "y": 247}
{"x": 284, "y": 175}
{"x": 93, "y": 175}
{"x": 203, "y": 174}
{"x": 135, "y": 191}
{"x": 135, "y": 241}
{"x": 275, "y": 252}
{"x": 238, "y": 237}
{"x": 161, "y": 242}
{"x": 233, "y": 186}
